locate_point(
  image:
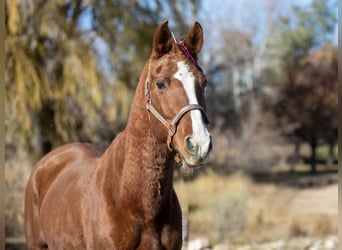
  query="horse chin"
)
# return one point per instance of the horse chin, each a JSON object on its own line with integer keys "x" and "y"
{"x": 192, "y": 163}
{"x": 188, "y": 169}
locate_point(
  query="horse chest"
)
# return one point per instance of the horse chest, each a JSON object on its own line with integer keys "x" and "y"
{"x": 152, "y": 237}
{"x": 145, "y": 226}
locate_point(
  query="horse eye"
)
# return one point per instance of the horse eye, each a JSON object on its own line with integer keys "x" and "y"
{"x": 161, "y": 85}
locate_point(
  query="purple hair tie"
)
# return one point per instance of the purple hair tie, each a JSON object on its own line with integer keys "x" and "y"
{"x": 182, "y": 46}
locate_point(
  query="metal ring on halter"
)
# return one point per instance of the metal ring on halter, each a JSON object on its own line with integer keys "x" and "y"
{"x": 172, "y": 129}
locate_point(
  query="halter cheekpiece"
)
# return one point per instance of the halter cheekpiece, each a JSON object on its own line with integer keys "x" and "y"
{"x": 172, "y": 125}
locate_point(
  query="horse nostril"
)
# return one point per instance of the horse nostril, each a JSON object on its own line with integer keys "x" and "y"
{"x": 210, "y": 145}
{"x": 192, "y": 149}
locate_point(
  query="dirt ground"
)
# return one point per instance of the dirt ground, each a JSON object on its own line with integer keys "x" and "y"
{"x": 316, "y": 200}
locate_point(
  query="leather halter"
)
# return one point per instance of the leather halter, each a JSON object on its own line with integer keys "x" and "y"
{"x": 170, "y": 125}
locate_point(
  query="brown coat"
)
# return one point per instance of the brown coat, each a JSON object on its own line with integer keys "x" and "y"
{"x": 82, "y": 197}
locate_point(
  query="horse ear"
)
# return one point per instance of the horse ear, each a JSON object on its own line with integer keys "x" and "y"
{"x": 194, "y": 39}
{"x": 162, "y": 41}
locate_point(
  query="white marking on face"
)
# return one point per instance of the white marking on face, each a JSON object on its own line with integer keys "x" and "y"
{"x": 200, "y": 134}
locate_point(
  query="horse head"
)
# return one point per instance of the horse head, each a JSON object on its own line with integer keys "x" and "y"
{"x": 174, "y": 91}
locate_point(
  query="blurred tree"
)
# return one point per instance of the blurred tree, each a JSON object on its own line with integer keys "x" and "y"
{"x": 237, "y": 64}
{"x": 53, "y": 85}
{"x": 309, "y": 27}
{"x": 308, "y": 105}
{"x": 252, "y": 55}
{"x": 292, "y": 42}
{"x": 230, "y": 79}
{"x": 71, "y": 67}
{"x": 238, "y": 73}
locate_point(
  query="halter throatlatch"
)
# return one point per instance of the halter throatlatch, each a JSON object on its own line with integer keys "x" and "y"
{"x": 171, "y": 125}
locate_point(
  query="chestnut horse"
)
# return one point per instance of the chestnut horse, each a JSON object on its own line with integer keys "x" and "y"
{"x": 80, "y": 197}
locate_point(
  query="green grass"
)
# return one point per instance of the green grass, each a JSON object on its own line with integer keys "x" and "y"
{"x": 323, "y": 152}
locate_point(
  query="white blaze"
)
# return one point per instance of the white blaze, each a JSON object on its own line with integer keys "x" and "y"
{"x": 200, "y": 134}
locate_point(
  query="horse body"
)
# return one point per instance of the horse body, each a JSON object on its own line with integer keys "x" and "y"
{"x": 129, "y": 186}
{"x": 82, "y": 197}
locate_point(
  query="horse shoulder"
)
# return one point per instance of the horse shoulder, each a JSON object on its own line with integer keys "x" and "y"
{"x": 44, "y": 175}
{"x": 54, "y": 163}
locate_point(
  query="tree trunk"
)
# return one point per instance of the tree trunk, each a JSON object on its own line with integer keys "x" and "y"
{"x": 236, "y": 89}
{"x": 296, "y": 155}
{"x": 331, "y": 156}
{"x": 313, "y": 145}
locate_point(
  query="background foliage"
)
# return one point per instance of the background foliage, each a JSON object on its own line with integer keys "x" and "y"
{"x": 72, "y": 67}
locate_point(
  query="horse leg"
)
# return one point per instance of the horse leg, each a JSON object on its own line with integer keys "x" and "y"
{"x": 171, "y": 234}
{"x": 34, "y": 233}
{"x": 149, "y": 242}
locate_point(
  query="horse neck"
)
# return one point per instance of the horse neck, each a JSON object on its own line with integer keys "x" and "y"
{"x": 145, "y": 164}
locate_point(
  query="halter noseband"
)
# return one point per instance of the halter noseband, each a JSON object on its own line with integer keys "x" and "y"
{"x": 171, "y": 125}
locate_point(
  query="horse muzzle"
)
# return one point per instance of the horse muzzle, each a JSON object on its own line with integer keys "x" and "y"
{"x": 198, "y": 150}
